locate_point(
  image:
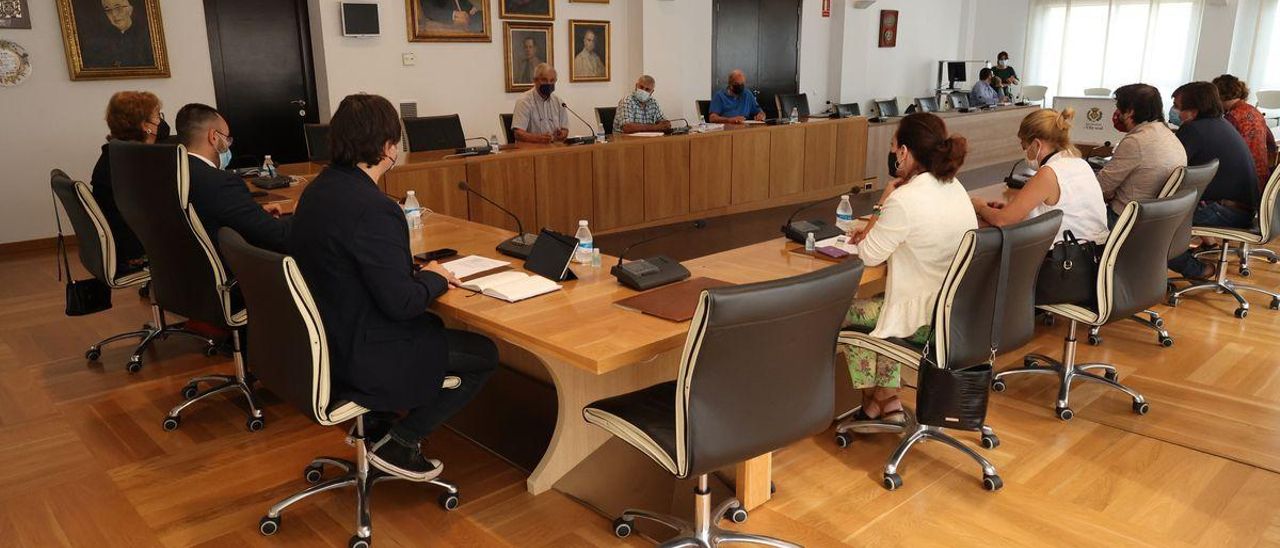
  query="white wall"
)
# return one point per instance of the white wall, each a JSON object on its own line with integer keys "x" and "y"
{"x": 51, "y": 122}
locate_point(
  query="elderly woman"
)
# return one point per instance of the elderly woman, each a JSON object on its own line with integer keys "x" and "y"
{"x": 131, "y": 116}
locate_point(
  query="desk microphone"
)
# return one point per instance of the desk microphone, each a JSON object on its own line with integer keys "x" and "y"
{"x": 798, "y": 231}
{"x": 652, "y": 272}
{"x": 584, "y": 139}
{"x": 518, "y": 246}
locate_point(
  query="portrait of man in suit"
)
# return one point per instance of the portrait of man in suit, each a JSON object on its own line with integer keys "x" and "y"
{"x": 113, "y": 38}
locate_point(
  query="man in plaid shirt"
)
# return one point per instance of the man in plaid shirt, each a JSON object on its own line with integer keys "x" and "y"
{"x": 639, "y": 111}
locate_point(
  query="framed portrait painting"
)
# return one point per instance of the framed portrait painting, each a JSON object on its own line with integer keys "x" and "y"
{"x": 109, "y": 39}
{"x": 527, "y": 46}
{"x": 448, "y": 20}
{"x": 590, "y": 43}
{"x": 527, "y": 9}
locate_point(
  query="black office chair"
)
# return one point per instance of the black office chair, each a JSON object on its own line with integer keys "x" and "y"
{"x": 317, "y": 136}
{"x": 1131, "y": 277}
{"x": 506, "y": 121}
{"x": 887, "y": 107}
{"x": 787, "y": 101}
{"x": 959, "y": 100}
{"x": 290, "y": 356}
{"x": 187, "y": 277}
{"x": 848, "y": 110}
{"x": 97, "y": 249}
{"x": 605, "y": 116}
{"x": 704, "y": 109}
{"x": 434, "y": 133}
{"x": 927, "y": 104}
{"x": 962, "y": 327}
{"x": 756, "y": 375}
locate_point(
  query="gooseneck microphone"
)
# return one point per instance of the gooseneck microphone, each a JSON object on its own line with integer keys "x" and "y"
{"x": 584, "y": 139}
{"x": 652, "y": 272}
{"x": 798, "y": 231}
{"x": 519, "y": 246}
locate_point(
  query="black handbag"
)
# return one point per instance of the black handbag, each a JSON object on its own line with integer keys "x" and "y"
{"x": 83, "y": 296}
{"x": 1069, "y": 274}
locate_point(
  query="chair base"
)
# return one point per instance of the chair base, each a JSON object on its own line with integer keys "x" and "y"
{"x": 1224, "y": 285}
{"x": 241, "y": 382}
{"x": 157, "y": 330}
{"x": 703, "y": 531}
{"x": 1153, "y": 321}
{"x": 1067, "y": 370}
{"x": 356, "y": 474}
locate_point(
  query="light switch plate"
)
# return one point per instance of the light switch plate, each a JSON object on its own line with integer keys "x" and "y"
{"x": 408, "y": 59}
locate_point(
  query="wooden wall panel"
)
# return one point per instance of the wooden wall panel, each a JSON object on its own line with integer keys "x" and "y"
{"x": 666, "y": 179}
{"x": 786, "y": 161}
{"x": 750, "y": 167}
{"x": 564, "y": 190}
{"x": 436, "y": 188}
{"x": 819, "y": 156}
{"x": 710, "y": 172}
{"x": 507, "y": 181}
{"x": 619, "y": 186}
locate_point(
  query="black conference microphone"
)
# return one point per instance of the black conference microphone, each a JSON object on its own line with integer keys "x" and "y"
{"x": 654, "y": 271}
{"x": 584, "y": 140}
{"x": 798, "y": 231}
{"x": 518, "y": 246}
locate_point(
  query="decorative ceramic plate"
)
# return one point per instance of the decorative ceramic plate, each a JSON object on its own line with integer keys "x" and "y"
{"x": 15, "y": 64}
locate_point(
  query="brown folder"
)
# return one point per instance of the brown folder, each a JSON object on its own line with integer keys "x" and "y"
{"x": 675, "y": 302}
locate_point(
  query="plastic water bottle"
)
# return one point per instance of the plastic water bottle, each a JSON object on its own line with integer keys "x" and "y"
{"x": 583, "y": 254}
{"x": 268, "y": 167}
{"x": 795, "y": 115}
{"x": 493, "y": 144}
{"x": 810, "y": 243}
{"x": 412, "y": 210}
{"x": 844, "y": 214}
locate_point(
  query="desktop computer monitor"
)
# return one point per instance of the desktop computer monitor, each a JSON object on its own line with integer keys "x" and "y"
{"x": 956, "y": 72}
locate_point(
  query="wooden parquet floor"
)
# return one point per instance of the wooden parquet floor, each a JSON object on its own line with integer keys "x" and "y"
{"x": 85, "y": 462}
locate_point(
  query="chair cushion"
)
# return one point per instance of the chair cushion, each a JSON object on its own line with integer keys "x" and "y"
{"x": 645, "y": 419}
{"x": 1248, "y": 236}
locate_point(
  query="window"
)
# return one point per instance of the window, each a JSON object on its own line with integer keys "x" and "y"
{"x": 1074, "y": 45}
{"x": 1264, "y": 72}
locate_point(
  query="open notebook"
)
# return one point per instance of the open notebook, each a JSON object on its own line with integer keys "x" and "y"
{"x": 512, "y": 286}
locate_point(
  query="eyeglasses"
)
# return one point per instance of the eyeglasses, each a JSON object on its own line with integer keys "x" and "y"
{"x": 225, "y": 136}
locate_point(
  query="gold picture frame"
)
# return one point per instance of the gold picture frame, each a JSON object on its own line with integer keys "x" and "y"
{"x": 527, "y": 9}
{"x": 107, "y": 42}
{"x": 590, "y": 50}
{"x": 525, "y": 46}
{"x": 426, "y": 21}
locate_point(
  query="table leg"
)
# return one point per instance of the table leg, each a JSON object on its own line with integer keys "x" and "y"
{"x": 753, "y": 481}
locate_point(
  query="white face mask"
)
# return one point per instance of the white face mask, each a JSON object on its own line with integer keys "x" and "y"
{"x": 642, "y": 95}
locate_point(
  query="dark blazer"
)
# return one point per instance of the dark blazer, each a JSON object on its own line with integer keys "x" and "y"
{"x": 128, "y": 247}
{"x": 352, "y": 245}
{"x": 1208, "y": 139}
{"x": 222, "y": 199}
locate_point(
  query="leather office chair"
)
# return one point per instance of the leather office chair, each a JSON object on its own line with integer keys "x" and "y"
{"x": 1131, "y": 277}
{"x": 1268, "y": 226}
{"x": 926, "y": 104}
{"x": 290, "y": 356}
{"x": 1034, "y": 94}
{"x": 434, "y": 133}
{"x": 704, "y": 109}
{"x": 97, "y": 249}
{"x": 606, "y": 115}
{"x": 756, "y": 374}
{"x": 505, "y": 120}
{"x": 187, "y": 277}
{"x": 847, "y": 110}
{"x": 786, "y": 101}
{"x": 962, "y": 322}
{"x": 887, "y": 107}
{"x": 1097, "y": 92}
{"x": 958, "y": 99}
{"x": 317, "y": 137}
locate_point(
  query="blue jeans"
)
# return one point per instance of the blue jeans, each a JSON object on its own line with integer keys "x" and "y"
{"x": 1209, "y": 214}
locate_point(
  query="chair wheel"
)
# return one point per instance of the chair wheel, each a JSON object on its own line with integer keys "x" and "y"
{"x": 313, "y": 473}
{"x": 1275, "y": 304}
{"x": 449, "y": 501}
{"x": 998, "y": 385}
{"x": 190, "y": 391}
{"x": 268, "y": 526}
{"x": 171, "y": 423}
{"x": 92, "y": 354}
{"x": 133, "y": 366}
{"x": 992, "y": 482}
{"x": 255, "y": 424}
{"x": 1166, "y": 341}
{"x": 1141, "y": 408}
{"x": 1244, "y": 272}
{"x": 843, "y": 440}
{"x": 622, "y": 528}
{"x": 1095, "y": 340}
{"x": 891, "y": 482}
{"x": 1065, "y": 413}
{"x": 1110, "y": 375}
{"x": 736, "y": 514}
{"x": 990, "y": 441}
{"x": 1242, "y": 312}
{"x": 359, "y": 542}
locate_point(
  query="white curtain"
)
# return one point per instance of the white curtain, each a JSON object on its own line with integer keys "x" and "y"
{"x": 1073, "y": 45}
{"x": 1264, "y": 71}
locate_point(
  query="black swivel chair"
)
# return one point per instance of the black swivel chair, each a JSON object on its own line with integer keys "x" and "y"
{"x": 962, "y": 322}
{"x": 317, "y": 136}
{"x": 187, "y": 277}
{"x": 290, "y": 356}
{"x": 927, "y": 104}
{"x": 756, "y": 374}
{"x": 507, "y": 130}
{"x": 434, "y": 133}
{"x": 887, "y": 107}
{"x": 605, "y": 116}
{"x": 1131, "y": 277}
{"x": 704, "y": 109}
{"x": 848, "y": 110}
{"x": 787, "y": 101}
{"x": 97, "y": 249}
{"x": 959, "y": 100}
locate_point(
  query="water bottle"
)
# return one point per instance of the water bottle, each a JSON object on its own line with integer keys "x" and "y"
{"x": 412, "y": 210}
{"x": 844, "y": 214}
{"x": 583, "y": 254}
{"x": 810, "y": 243}
{"x": 268, "y": 167}
{"x": 795, "y": 115}
{"x": 493, "y": 144}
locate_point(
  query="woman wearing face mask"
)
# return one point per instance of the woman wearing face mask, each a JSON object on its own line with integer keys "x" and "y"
{"x": 1005, "y": 73}
{"x": 1147, "y": 155}
{"x": 916, "y": 226}
{"x": 1063, "y": 181}
{"x": 131, "y": 116}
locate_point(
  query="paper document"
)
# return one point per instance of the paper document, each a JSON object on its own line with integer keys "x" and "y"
{"x": 472, "y": 265}
{"x": 839, "y": 242}
{"x": 647, "y": 134}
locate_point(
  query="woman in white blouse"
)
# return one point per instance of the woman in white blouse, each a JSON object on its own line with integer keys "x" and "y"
{"x": 916, "y": 226}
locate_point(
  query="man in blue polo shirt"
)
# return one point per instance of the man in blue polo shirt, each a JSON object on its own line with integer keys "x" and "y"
{"x": 735, "y": 104}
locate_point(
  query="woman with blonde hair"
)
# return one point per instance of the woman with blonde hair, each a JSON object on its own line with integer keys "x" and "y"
{"x": 1063, "y": 181}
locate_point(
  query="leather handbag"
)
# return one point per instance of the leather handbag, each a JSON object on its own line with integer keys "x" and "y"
{"x": 1069, "y": 274}
{"x": 83, "y": 296}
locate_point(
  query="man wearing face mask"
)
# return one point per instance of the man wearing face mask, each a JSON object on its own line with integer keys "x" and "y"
{"x": 539, "y": 116}
{"x": 1145, "y": 157}
{"x": 1005, "y": 73}
{"x": 219, "y": 197}
{"x": 639, "y": 111}
{"x": 735, "y": 104}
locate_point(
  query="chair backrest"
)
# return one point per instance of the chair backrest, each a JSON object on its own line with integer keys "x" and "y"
{"x": 1269, "y": 212}
{"x": 926, "y": 104}
{"x": 288, "y": 351}
{"x": 1034, "y": 93}
{"x": 1133, "y": 272}
{"x": 434, "y": 133}
{"x": 965, "y": 308}
{"x": 317, "y": 136}
{"x": 887, "y": 107}
{"x": 757, "y": 369}
{"x": 704, "y": 108}
{"x": 1173, "y": 183}
{"x": 1097, "y": 92}
{"x": 93, "y": 234}
{"x": 846, "y": 110}
{"x": 606, "y": 115}
{"x": 958, "y": 99}
{"x": 1269, "y": 99}
{"x": 786, "y": 101}
{"x": 151, "y": 188}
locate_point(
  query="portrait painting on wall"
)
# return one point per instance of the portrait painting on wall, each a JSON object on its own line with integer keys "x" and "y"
{"x": 590, "y": 43}
{"x": 107, "y": 39}
{"x": 527, "y": 9}
{"x": 448, "y": 21}
{"x": 527, "y": 46}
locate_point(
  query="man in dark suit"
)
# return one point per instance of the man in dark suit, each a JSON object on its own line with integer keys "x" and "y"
{"x": 219, "y": 197}
{"x": 388, "y": 352}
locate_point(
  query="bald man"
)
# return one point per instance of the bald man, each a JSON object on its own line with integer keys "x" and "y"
{"x": 735, "y": 103}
